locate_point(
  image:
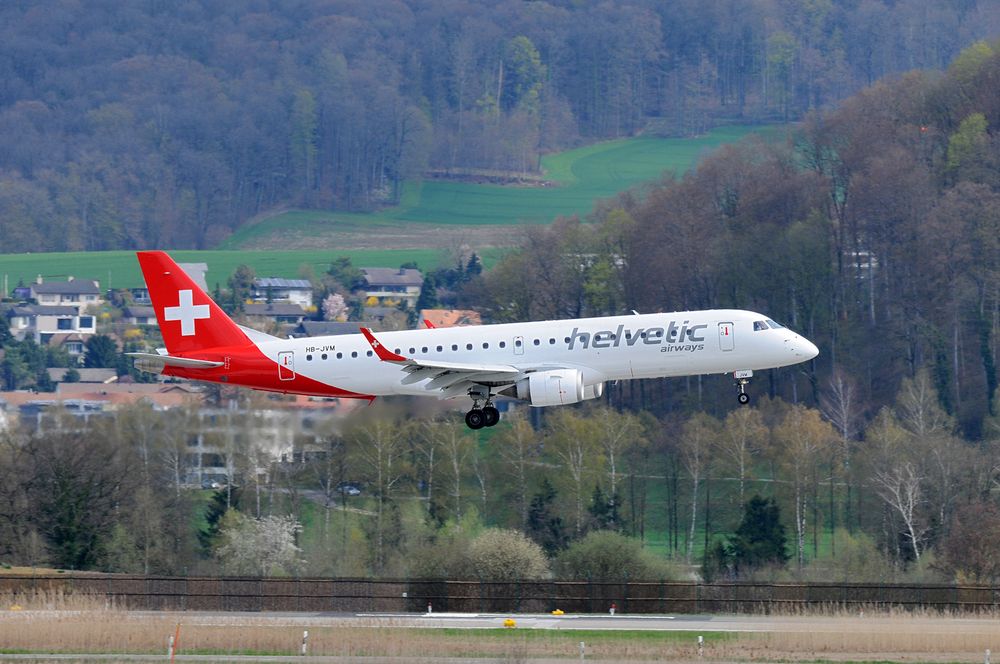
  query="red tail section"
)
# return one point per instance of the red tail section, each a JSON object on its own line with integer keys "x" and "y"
{"x": 189, "y": 319}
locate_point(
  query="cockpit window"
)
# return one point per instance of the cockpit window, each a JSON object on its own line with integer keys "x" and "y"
{"x": 776, "y": 326}
{"x": 759, "y": 325}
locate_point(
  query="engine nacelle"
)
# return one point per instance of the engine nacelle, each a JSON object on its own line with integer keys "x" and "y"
{"x": 595, "y": 391}
{"x": 551, "y": 388}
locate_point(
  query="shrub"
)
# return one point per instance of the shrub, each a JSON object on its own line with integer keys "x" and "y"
{"x": 505, "y": 555}
{"x": 604, "y": 555}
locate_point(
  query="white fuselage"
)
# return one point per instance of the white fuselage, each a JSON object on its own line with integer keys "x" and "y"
{"x": 602, "y": 349}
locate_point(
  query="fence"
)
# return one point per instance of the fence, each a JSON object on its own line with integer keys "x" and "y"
{"x": 400, "y": 596}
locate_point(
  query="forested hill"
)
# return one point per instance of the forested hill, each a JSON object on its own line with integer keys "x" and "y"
{"x": 167, "y": 124}
{"x": 876, "y": 232}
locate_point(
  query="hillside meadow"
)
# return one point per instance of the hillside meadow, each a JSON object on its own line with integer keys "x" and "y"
{"x": 435, "y": 219}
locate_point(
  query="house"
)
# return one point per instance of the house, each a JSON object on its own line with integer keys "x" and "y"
{"x": 78, "y": 293}
{"x": 87, "y": 375}
{"x": 450, "y": 317}
{"x": 139, "y": 315}
{"x": 389, "y": 286}
{"x": 323, "y": 328}
{"x": 291, "y": 314}
{"x": 275, "y": 289}
{"x": 40, "y": 323}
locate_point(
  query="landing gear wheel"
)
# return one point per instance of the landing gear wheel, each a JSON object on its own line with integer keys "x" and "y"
{"x": 475, "y": 419}
{"x": 490, "y": 416}
{"x": 743, "y": 398}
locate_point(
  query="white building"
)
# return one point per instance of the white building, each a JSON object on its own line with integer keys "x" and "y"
{"x": 291, "y": 291}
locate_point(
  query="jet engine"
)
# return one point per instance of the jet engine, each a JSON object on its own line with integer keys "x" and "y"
{"x": 551, "y": 388}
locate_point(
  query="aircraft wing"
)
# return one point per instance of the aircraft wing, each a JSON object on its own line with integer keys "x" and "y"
{"x": 451, "y": 378}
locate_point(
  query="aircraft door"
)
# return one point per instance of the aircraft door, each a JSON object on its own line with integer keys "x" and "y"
{"x": 518, "y": 345}
{"x": 726, "y": 340}
{"x": 286, "y": 365}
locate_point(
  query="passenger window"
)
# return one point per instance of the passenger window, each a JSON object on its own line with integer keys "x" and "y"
{"x": 503, "y": 344}
{"x": 323, "y": 356}
{"x": 454, "y": 346}
{"x": 485, "y": 346}
{"x": 309, "y": 358}
{"x": 340, "y": 356}
{"x": 468, "y": 346}
{"x": 354, "y": 353}
{"x": 369, "y": 353}
{"x": 424, "y": 350}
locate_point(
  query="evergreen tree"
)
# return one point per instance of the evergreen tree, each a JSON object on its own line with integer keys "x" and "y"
{"x": 604, "y": 510}
{"x": 101, "y": 351}
{"x": 760, "y": 538}
{"x": 428, "y": 295}
{"x": 544, "y": 526}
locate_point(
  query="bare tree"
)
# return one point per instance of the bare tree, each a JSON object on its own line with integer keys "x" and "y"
{"x": 919, "y": 409}
{"x": 900, "y": 487}
{"x": 518, "y": 444}
{"x": 618, "y": 432}
{"x": 743, "y": 433}
{"x": 380, "y": 446}
{"x": 698, "y": 436}
{"x": 572, "y": 440}
{"x": 803, "y": 437}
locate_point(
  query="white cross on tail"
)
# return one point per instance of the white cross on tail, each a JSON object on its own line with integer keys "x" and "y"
{"x": 187, "y": 312}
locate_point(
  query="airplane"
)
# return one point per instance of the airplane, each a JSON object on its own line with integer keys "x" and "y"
{"x": 543, "y": 363}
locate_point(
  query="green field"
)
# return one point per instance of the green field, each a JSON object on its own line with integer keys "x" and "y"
{"x": 578, "y": 178}
{"x": 119, "y": 269}
{"x": 477, "y": 215}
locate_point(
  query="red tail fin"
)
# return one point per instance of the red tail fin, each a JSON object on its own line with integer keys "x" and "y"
{"x": 189, "y": 319}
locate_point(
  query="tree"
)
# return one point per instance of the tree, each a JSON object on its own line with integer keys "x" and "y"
{"x": 334, "y": 307}
{"x": 544, "y": 526}
{"x": 260, "y": 547}
{"x": 697, "y": 437}
{"x": 803, "y": 438}
{"x": 968, "y": 552}
{"x": 100, "y": 351}
{"x": 379, "y": 444}
{"x": 518, "y": 444}
{"x": 240, "y": 286}
{"x": 572, "y": 440}
{"x": 760, "y": 540}
{"x": 743, "y": 434}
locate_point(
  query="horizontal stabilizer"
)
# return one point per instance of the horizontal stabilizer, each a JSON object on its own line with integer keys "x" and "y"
{"x": 152, "y": 360}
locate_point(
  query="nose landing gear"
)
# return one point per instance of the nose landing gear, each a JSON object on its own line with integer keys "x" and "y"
{"x": 487, "y": 416}
{"x": 742, "y": 380}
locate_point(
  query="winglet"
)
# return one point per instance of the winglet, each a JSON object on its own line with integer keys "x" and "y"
{"x": 430, "y": 325}
{"x": 383, "y": 353}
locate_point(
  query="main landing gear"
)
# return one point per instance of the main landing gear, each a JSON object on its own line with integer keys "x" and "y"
{"x": 487, "y": 416}
{"x": 742, "y": 380}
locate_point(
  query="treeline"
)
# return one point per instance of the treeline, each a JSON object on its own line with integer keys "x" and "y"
{"x": 906, "y": 498}
{"x": 169, "y": 125}
{"x": 874, "y": 231}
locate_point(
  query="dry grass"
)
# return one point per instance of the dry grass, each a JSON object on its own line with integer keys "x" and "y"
{"x": 59, "y": 623}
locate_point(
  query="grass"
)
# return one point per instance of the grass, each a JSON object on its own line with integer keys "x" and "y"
{"x": 434, "y": 217}
{"x": 579, "y": 178}
{"x": 119, "y": 269}
{"x": 73, "y": 627}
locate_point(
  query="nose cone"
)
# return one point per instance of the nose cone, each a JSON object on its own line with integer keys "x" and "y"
{"x": 803, "y": 349}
